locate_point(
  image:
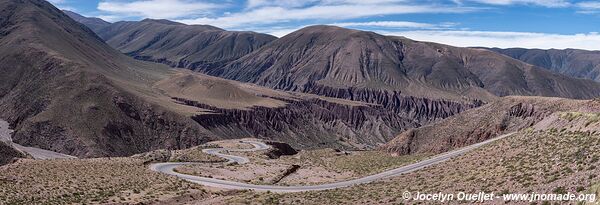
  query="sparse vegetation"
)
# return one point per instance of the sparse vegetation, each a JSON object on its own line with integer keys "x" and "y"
{"x": 589, "y": 118}
{"x": 116, "y": 180}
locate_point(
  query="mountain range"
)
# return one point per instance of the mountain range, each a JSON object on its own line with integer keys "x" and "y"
{"x": 62, "y": 88}
{"x": 68, "y": 87}
{"x": 329, "y": 60}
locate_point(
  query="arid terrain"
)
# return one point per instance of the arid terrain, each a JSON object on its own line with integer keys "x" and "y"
{"x": 160, "y": 112}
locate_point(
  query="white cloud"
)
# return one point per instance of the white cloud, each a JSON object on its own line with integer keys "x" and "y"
{"x": 282, "y": 3}
{"x": 588, "y": 7}
{"x": 301, "y": 3}
{"x": 587, "y": 41}
{"x": 156, "y": 8}
{"x": 546, "y": 3}
{"x": 278, "y": 31}
{"x": 110, "y": 18}
{"x": 269, "y": 15}
{"x": 396, "y": 24}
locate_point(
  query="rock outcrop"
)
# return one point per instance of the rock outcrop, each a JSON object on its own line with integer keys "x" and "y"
{"x": 421, "y": 109}
{"x": 8, "y": 154}
{"x": 279, "y": 149}
{"x": 307, "y": 123}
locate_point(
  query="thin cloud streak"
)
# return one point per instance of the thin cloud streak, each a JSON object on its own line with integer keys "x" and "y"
{"x": 270, "y": 15}
{"x": 397, "y": 25}
{"x": 545, "y": 3}
{"x": 167, "y": 9}
{"x": 587, "y": 41}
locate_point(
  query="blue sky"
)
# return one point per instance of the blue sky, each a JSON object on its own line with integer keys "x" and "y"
{"x": 493, "y": 23}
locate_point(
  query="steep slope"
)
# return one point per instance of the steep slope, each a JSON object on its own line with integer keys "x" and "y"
{"x": 337, "y": 58}
{"x": 64, "y": 90}
{"x": 176, "y": 44}
{"x": 509, "y": 114}
{"x": 572, "y": 62}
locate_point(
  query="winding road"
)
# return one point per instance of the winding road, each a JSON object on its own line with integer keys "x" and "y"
{"x": 168, "y": 168}
{"x": 237, "y": 159}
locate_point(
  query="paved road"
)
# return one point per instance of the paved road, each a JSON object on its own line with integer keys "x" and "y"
{"x": 168, "y": 168}
{"x": 232, "y": 158}
{"x": 36, "y": 153}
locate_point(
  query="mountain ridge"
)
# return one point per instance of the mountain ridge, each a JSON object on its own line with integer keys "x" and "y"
{"x": 572, "y": 62}
{"x": 178, "y": 45}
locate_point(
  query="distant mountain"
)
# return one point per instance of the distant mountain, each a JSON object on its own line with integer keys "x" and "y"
{"x": 324, "y": 59}
{"x": 571, "y": 62}
{"x": 329, "y": 59}
{"x": 178, "y": 45}
{"x": 94, "y": 23}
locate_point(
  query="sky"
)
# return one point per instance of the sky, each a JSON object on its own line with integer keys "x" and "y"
{"x": 541, "y": 24}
